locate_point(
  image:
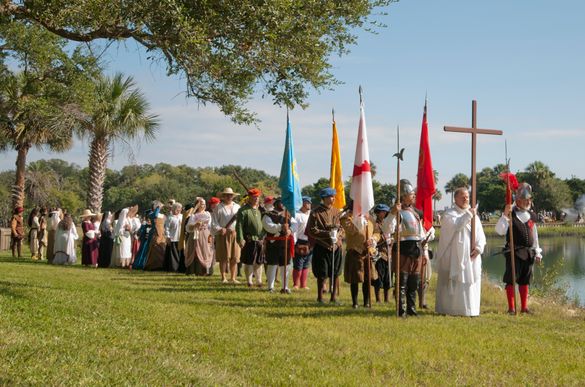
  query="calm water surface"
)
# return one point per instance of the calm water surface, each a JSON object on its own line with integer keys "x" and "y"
{"x": 563, "y": 261}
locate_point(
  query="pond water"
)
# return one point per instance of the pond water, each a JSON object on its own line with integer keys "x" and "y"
{"x": 563, "y": 264}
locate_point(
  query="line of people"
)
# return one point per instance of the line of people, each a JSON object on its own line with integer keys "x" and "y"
{"x": 268, "y": 238}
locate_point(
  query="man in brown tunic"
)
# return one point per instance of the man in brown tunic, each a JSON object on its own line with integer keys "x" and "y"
{"x": 356, "y": 269}
{"x": 323, "y": 230}
{"x": 16, "y": 231}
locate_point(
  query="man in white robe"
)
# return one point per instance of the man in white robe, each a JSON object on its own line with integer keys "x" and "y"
{"x": 458, "y": 263}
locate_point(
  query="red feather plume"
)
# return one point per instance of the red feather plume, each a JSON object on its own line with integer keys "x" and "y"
{"x": 512, "y": 178}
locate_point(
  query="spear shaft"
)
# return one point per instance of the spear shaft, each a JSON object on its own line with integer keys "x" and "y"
{"x": 511, "y": 228}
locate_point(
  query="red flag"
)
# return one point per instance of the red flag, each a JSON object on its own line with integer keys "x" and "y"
{"x": 425, "y": 182}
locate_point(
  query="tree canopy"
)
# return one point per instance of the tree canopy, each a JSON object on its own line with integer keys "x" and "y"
{"x": 225, "y": 50}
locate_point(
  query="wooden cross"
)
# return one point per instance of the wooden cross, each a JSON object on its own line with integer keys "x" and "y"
{"x": 474, "y": 130}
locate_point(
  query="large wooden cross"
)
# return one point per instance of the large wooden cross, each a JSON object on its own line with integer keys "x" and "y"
{"x": 474, "y": 130}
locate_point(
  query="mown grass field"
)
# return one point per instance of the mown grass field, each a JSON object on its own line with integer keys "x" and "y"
{"x": 82, "y": 326}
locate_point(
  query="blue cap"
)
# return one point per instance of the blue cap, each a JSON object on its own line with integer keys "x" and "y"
{"x": 381, "y": 207}
{"x": 307, "y": 199}
{"x": 326, "y": 192}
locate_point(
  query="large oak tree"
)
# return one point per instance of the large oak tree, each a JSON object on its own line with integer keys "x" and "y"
{"x": 225, "y": 50}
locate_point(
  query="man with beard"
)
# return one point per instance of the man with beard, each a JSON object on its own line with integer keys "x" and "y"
{"x": 249, "y": 234}
{"x": 323, "y": 229}
{"x": 277, "y": 226}
{"x": 459, "y": 263}
{"x": 526, "y": 247}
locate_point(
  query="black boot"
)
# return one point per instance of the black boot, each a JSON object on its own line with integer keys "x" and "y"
{"x": 411, "y": 290}
{"x": 377, "y": 294}
{"x": 386, "y": 291}
{"x": 320, "y": 282}
{"x": 402, "y": 294}
{"x": 354, "y": 295}
{"x": 366, "y": 294}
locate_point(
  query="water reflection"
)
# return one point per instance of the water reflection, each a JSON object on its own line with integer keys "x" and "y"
{"x": 564, "y": 254}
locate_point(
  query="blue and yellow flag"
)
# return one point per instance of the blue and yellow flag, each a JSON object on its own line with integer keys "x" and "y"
{"x": 288, "y": 183}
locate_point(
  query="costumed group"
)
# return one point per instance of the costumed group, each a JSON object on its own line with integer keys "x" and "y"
{"x": 266, "y": 238}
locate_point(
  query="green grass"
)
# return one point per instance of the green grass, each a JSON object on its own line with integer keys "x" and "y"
{"x": 75, "y": 325}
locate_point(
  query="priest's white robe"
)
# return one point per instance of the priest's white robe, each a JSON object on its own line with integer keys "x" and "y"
{"x": 459, "y": 276}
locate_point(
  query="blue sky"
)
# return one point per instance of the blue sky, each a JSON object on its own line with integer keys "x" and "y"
{"x": 523, "y": 61}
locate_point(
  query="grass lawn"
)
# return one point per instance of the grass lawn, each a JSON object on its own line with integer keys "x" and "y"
{"x": 75, "y": 325}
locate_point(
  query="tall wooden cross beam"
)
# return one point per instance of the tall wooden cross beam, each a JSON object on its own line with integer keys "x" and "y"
{"x": 474, "y": 130}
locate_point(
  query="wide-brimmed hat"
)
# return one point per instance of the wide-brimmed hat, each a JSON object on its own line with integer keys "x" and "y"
{"x": 87, "y": 213}
{"x": 229, "y": 191}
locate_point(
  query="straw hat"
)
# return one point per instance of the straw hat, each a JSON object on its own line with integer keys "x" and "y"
{"x": 86, "y": 213}
{"x": 229, "y": 191}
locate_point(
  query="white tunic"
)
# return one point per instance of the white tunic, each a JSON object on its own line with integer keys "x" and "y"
{"x": 173, "y": 227}
{"x": 221, "y": 216}
{"x": 459, "y": 276}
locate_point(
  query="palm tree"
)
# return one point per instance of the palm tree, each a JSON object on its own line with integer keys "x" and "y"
{"x": 28, "y": 119}
{"x": 120, "y": 113}
{"x": 457, "y": 181}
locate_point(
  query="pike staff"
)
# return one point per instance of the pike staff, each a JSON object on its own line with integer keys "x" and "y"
{"x": 510, "y": 225}
{"x": 399, "y": 157}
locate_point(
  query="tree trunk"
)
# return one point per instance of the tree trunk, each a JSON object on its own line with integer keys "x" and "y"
{"x": 18, "y": 187}
{"x": 98, "y": 159}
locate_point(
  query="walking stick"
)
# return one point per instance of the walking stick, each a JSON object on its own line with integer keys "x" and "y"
{"x": 399, "y": 157}
{"x": 510, "y": 227}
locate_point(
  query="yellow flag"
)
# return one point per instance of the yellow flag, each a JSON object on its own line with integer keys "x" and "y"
{"x": 336, "y": 179}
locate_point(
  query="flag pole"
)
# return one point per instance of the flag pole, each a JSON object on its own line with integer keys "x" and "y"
{"x": 510, "y": 226}
{"x": 284, "y": 277}
{"x": 399, "y": 157}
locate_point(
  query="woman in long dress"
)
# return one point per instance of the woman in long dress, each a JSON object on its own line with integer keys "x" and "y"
{"x": 198, "y": 253}
{"x": 54, "y": 218}
{"x": 123, "y": 232}
{"x": 106, "y": 240}
{"x": 89, "y": 247}
{"x": 155, "y": 258}
{"x": 65, "y": 237}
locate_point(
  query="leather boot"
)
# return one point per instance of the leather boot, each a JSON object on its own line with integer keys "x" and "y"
{"x": 402, "y": 294}
{"x": 366, "y": 294}
{"x": 411, "y": 290}
{"x": 320, "y": 282}
{"x": 354, "y": 295}
{"x": 377, "y": 294}
{"x": 386, "y": 291}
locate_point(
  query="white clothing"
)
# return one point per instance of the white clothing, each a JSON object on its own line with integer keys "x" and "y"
{"x": 65, "y": 246}
{"x": 459, "y": 276}
{"x": 301, "y": 224}
{"x": 173, "y": 227}
{"x": 253, "y": 271}
{"x": 53, "y": 221}
{"x": 202, "y": 218}
{"x": 122, "y": 235}
{"x": 222, "y": 214}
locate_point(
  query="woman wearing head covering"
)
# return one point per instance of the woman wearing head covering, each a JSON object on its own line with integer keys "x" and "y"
{"x": 106, "y": 240}
{"x": 65, "y": 237}
{"x": 123, "y": 234}
{"x": 53, "y": 222}
{"x": 89, "y": 247}
{"x": 198, "y": 253}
